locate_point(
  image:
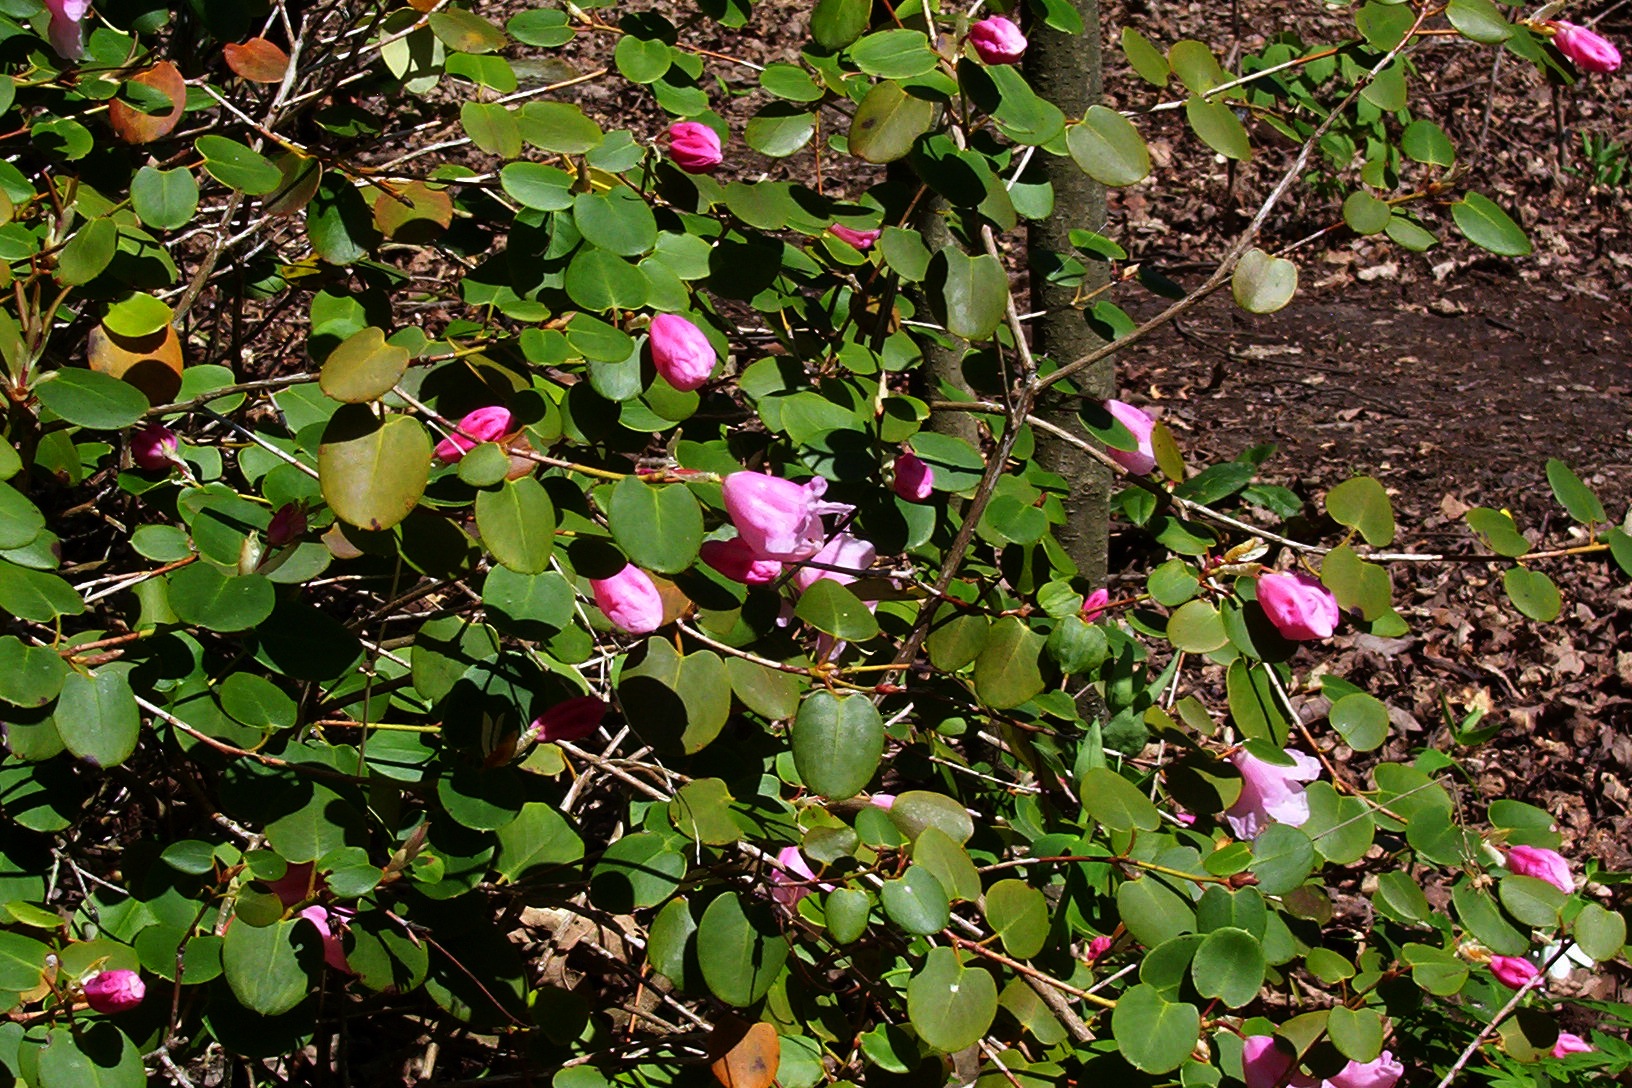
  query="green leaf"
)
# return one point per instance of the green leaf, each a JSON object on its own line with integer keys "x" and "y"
{"x": 658, "y": 528}
{"x": 1387, "y": 92}
{"x": 538, "y": 838}
{"x": 1263, "y": 284}
{"x": 916, "y": 810}
{"x": 1196, "y": 627}
{"x": 492, "y": 128}
{"x": 237, "y": 167}
{"x": 1480, "y": 915}
{"x": 672, "y": 942}
{"x": 1007, "y": 672}
{"x": 1152, "y": 911}
{"x": 202, "y": 596}
{"x": 1620, "y": 548}
{"x": 1145, "y": 58}
{"x": 1283, "y": 858}
{"x": 1230, "y": 966}
{"x": 1193, "y": 62}
{"x": 1573, "y": 495}
{"x": 636, "y": 872}
{"x": 1361, "y": 720}
{"x": 836, "y": 23}
{"x": 1534, "y": 902}
{"x": 1108, "y": 147}
{"x": 618, "y": 221}
{"x": 702, "y": 811}
{"x": 1398, "y": 897}
{"x": 98, "y": 1056}
{"x": 517, "y": 523}
{"x": 1499, "y": 532}
{"x": 22, "y": 962}
{"x": 20, "y": 520}
{"x": 837, "y": 743}
{"x": 1533, "y": 594}
{"x": 1116, "y": 803}
{"x": 1357, "y": 1033}
{"x": 363, "y": 368}
{"x": 1365, "y": 214}
{"x": 833, "y": 609}
{"x": 97, "y": 718}
{"x": 36, "y": 595}
{"x": 779, "y": 129}
{"x": 916, "y": 902}
{"x": 740, "y": 949}
{"x": 91, "y": 399}
{"x": 466, "y": 32}
{"x": 679, "y": 704}
{"x": 1410, "y": 234}
{"x": 546, "y": 188}
{"x": 847, "y": 910}
{"x": 642, "y": 60}
{"x": 30, "y": 676}
{"x": 1216, "y": 124}
{"x": 1487, "y": 226}
{"x": 266, "y": 969}
{"x": 1361, "y": 503}
{"x": 139, "y": 315}
{"x": 559, "y": 127}
{"x": 1154, "y": 1034}
{"x": 768, "y": 692}
{"x": 1425, "y": 141}
{"x": 1600, "y": 932}
{"x": 373, "y": 471}
{"x": 601, "y": 281}
{"x": 88, "y": 252}
{"x": 1479, "y": 21}
{"x": 951, "y": 1006}
{"x": 1253, "y": 705}
{"x": 164, "y": 199}
{"x": 1018, "y": 915}
{"x": 888, "y": 119}
{"x": 968, "y": 293}
{"x": 894, "y": 54}
{"x": 1384, "y": 25}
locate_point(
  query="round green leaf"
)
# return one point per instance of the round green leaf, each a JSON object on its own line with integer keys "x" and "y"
{"x": 1108, "y": 148}
{"x": 601, "y": 281}
{"x": 1573, "y": 495}
{"x": 88, "y": 252}
{"x": 1600, "y": 932}
{"x": 1479, "y": 21}
{"x": 237, "y": 167}
{"x": 968, "y": 293}
{"x": 618, "y": 221}
{"x": 517, "y": 523}
{"x": 1362, "y": 720}
{"x": 1230, "y": 966}
{"x": 1426, "y": 142}
{"x": 267, "y": 967}
{"x": 894, "y": 54}
{"x": 97, "y": 718}
{"x": 1154, "y": 1034}
{"x": 1263, "y": 284}
{"x": 658, "y": 527}
{"x": 30, "y": 676}
{"x": 139, "y": 315}
{"x": 1357, "y": 1033}
{"x": 888, "y": 121}
{"x": 1153, "y": 912}
{"x": 847, "y": 910}
{"x": 1534, "y": 902}
{"x": 779, "y": 129}
{"x": 91, "y": 399}
{"x": 837, "y": 743}
{"x": 1217, "y": 126}
{"x": 1283, "y": 858}
{"x": 546, "y": 188}
{"x": 740, "y": 949}
{"x": 560, "y": 127}
{"x": 836, "y": 23}
{"x": 363, "y": 368}
{"x": 1532, "y": 593}
{"x": 203, "y": 596}
{"x": 951, "y": 1006}
{"x": 1018, "y": 915}
{"x": 832, "y": 608}
{"x": 164, "y": 199}
{"x": 1007, "y": 672}
{"x": 98, "y": 1056}
{"x": 1361, "y": 503}
{"x": 916, "y": 902}
{"x": 1115, "y": 802}
{"x": 916, "y": 810}
{"x": 636, "y": 872}
{"x": 1489, "y": 227}
{"x": 1365, "y": 214}
{"x": 1197, "y": 628}
{"x": 373, "y": 471}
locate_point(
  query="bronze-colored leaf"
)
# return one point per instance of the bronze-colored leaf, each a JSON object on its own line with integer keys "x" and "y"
{"x": 414, "y": 212}
{"x": 301, "y": 176}
{"x": 749, "y": 1054}
{"x": 136, "y": 127}
{"x": 257, "y": 60}
{"x": 151, "y": 363}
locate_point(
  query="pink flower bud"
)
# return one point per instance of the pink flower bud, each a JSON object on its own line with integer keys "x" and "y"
{"x": 1512, "y": 971}
{"x": 695, "y": 148}
{"x": 115, "y": 991}
{"x": 572, "y": 720}
{"x": 630, "y": 600}
{"x": 154, "y": 447}
{"x": 1264, "y": 1065}
{"x": 1381, "y": 1072}
{"x": 1586, "y": 50}
{"x": 680, "y": 351}
{"x": 737, "y": 561}
{"x": 1571, "y": 1044}
{"x": 1098, "y": 947}
{"x": 914, "y": 479}
{"x": 67, "y": 37}
{"x": 1298, "y": 605}
{"x": 997, "y": 41}
{"x": 777, "y": 518}
{"x": 860, "y": 239}
{"x": 1141, "y": 460}
{"x": 288, "y": 525}
{"x": 885, "y": 801}
{"x": 1270, "y": 793}
{"x": 843, "y": 550}
{"x": 483, "y": 425}
{"x": 1543, "y": 864}
{"x": 1095, "y": 603}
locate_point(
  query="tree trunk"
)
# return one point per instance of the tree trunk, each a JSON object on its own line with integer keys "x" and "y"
{"x": 1065, "y": 69}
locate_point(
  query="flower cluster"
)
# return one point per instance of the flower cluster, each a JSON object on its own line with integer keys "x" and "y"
{"x": 1265, "y": 1065}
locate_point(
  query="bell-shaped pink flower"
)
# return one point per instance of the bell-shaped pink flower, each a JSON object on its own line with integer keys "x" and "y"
{"x": 1270, "y": 793}
{"x": 694, "y": 147}
{"x": 67, "y": 37}
{"x": 1298, "y": 605}
{"x": 778, "y": 518}
{"x": 791, "y": 877}
{"x": 1569, "y": 1043}
{"x": 843, "y": 550}
{"x": 1095, "y": 603}
{"x": 1512, "y": 971}
{"x": 860, "y": 239}
{"x": 1381, "y": 1072}
{"x": 115, "y": 991}
{"x": 1264, "y": 1065}
{"x": 1143, "y": 459}
{"x": 483, "y": 425}
{"x": 680, "y": 351}
{"x": 154, "y": 447}
{"x": 914, "y": 479}
{"x": 885, "y": 801}
{"x": 296, "y": 884}
{"x": 737, "y": 561}
{"x": 630, "y": 600}
{"x": 997, "y": 40}
{"x": 1543, "y": 864}
{"x": 571, "y": 720}
{"x": 328, "y": 923}
{"x": 1585, "y": 49}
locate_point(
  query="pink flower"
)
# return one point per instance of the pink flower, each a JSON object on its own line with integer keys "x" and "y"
{"x": 885, "y": 801}
{"x": 860, "y": 239}
{"x": 1568, "y": 1044}
{"x": 791, "y": 878}
{"x": 334, "y": 952}
{"x": 154, "y": 447}
{"x": 115, "y": 991}
{"x": 630, "y": 600}
{"x": 997, "y": 41}
{"x": 1095, "y": 603}
{"x": 288, "y": 525}
{"x": 680, "y": 351}
{"x": 737, "y": 561}
{"x": 482, "y": 425}
{"x": 914, "y": 479}
{"x": 574, "y": 719}
{"x": 1270, "y": 793}
{"x": 1512, "y": 971}
{"x": 777, "y": 518}
{"x": 1141, "y": 460}
{"x": 1099, "y": 946}
{"x": 1543, "y": 864}
{"x": 694, "y": 147}
{"x": 66, "y": 35}
{"x": 1264, "y": 1065}
{"x": 1298, "y": 605}
{"x": 296, "y": 884}
{"x": 843, "y": 550}
{"x": 1381, "y": 1072}
{"x": 1586, "y": 50}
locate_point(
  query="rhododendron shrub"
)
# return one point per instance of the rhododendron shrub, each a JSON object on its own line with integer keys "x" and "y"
{"x": 492, "y": 590}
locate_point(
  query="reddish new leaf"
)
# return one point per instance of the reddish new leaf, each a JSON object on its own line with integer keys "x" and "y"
{"x": 257, "y": 60}
{"x": 137, "y": 127}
